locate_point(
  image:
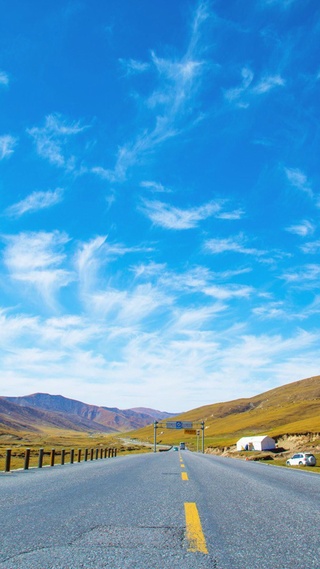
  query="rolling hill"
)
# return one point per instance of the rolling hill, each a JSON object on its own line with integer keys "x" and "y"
{"x": 291, "y": 409}
{"x": 40, "y": 411}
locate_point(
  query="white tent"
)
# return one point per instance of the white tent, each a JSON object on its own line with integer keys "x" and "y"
{"x": 262, "y": 442}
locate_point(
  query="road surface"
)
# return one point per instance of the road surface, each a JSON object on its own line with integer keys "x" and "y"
{"x": 169, "y": 510}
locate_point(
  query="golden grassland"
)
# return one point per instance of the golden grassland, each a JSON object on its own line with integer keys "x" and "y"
{"x": 289, "y": 409}
{"x": 59, "y": 440}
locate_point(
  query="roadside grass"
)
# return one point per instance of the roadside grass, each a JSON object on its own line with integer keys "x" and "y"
{"x": 280, "y": 461}
{"x": 68, "y": 440}
{"x": 274, "y": 459}
{"x": 57, "y": 440}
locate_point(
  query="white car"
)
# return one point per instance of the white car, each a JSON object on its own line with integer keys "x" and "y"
{"x": 302, "y": 459}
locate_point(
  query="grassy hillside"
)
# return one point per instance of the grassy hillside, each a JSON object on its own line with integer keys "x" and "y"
{"x": 291, "y": 409}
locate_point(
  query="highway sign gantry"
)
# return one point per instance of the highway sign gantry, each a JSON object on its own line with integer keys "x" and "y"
{"x": 179, "y": 425}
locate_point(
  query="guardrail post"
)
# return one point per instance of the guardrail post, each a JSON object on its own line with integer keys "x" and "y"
{"x": 91, "y": 454}
{"x": 79, "y": 454}
{"x": 105, "y": 453}
{"x": 52, "y": 455}
{"x": 115, "y": 452}
{"x": 109, "y": 452}
{"x": 8, "y": 460}
{"x": 71, "y": 456}
{"x": 26, "y": 459}
{"x": 101, "y": 453}
{"x": 97, "y": 453}
{"x": 86, "y": 454}
{"x": 40, "y": 461}
{"x": 63, "y": 452}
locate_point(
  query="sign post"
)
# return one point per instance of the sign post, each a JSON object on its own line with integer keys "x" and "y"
{"x": 202, "y": 427}
{"x": 187, "y": 426}
{"x": 155, "y": 426}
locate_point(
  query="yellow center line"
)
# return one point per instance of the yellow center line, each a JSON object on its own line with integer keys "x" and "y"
{"x": 184, "y": 476}
{"x": 195, "y": 534}
{"x": 182, "y": 465}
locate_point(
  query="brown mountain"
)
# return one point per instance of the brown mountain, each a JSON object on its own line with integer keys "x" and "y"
{"x": 36, "y": 411}
{"x": 14, "y": 417}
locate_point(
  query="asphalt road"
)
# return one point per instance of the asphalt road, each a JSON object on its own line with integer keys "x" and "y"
{"x": 170, "y": 510}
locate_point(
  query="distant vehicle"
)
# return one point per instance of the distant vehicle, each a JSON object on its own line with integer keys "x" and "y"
{"x": 175, "y": 448}
{"x": 182, "y": 446}
{"x": 302, "y": 459}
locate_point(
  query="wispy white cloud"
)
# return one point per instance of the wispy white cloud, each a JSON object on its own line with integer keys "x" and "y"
{"x": 312, "y": 247}
{"x": 170, "y": 217}
{"x": 261, "y": 351}
{"x": 155, "y": 187}
{"x": 172, "y": 102}
{"x": 231, "y": 245}
{"x": 188, "y": 320}
{"x": 298, "y": 180}
{"x": 13, "y": 327}
{"x": 268, "y": 83}
{"x": 302, "y": 276}
{"x": 149, "y": 270}
{"x": 271, "y": 310}
{"x": 302, "y": 229}
{"x": 35, "y": 202}
{"x": 4, "y": 78}
{"x": 87, "y": 260}
{"x": 51, "y": 140}
{"x": 229, "y": 292}
{"x": 69, "y": 331}
{"x": 125, "y": 310}
{"x": 133, "y": 66}
{"x": 141, "y": 303}
{"x": 231, "y": 215}
{"x": 35, "y": 259}
{"x": 236, "y": 93}
{"x": 95, "y": 254}
{"x": 248, "y": 89}
{"x": 7, "y": 145}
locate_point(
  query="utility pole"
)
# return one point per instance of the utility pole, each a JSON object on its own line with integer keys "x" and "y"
{"x": 155, "y": 426}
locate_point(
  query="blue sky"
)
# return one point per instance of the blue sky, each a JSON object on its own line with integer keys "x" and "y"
{"x": 159, "y": 199}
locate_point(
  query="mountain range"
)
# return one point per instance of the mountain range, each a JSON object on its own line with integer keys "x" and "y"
{"x": 293, "y": 408}
{"x": 40, "y": 411}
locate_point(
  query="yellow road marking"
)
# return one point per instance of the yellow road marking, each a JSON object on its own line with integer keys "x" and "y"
{"x": 195, "y": 535}
{"x": 184, "y": 476}
{"x": 182, "y": 465}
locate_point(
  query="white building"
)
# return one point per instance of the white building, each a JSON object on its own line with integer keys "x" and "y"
{"x": 262, "y": 442}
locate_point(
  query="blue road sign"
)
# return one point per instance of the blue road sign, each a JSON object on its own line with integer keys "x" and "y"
{"x": 179, "y": 425}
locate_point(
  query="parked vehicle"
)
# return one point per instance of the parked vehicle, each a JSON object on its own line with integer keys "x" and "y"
{"x": 182, "y": 446}
{"x": 302, "y": 459}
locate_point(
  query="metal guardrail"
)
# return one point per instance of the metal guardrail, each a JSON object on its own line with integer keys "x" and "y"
{"x": 88, "y": 455}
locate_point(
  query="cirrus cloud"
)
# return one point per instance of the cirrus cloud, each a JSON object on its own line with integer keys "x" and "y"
{"x": 35, "y": 202}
